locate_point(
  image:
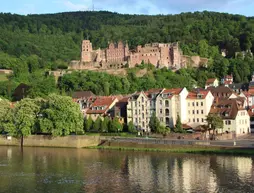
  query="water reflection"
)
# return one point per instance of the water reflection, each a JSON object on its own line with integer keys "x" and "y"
{"x": 72, "y": 170}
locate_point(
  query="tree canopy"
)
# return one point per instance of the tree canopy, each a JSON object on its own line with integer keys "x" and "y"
{"x": 60, "y": 116}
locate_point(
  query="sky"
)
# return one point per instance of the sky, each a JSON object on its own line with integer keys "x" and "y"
{"x": 151, "y": 7}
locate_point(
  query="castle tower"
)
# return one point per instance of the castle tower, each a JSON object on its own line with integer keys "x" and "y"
{"x": 86, "y": 53}
{"x": 126, "y": 51}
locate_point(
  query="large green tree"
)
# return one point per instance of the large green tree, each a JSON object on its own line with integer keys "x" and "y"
{"x": 20, "y": 122}
{"x": 60, "y": 116}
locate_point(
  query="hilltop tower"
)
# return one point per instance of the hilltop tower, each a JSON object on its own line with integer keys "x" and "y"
{"x": 86, "y": 53}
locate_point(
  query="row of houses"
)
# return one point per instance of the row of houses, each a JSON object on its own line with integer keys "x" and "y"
{"x": 192, "y": 107}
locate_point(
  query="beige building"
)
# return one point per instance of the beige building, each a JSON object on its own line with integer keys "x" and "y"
{"x": 198, "y": 107}
{"x": 212, "y": 82}
{"x": 138, "y": 111}
{"x": 169, "y": 104}
{"x": 235, "y": 117}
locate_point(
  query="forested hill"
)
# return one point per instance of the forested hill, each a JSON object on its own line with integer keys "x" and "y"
{"x": 58, "y": 36}
{"x": 30, "y": 44}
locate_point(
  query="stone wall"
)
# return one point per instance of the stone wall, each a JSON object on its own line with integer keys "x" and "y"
{"x": 49, "y": 141}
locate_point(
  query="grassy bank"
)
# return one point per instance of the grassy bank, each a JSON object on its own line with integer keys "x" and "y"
{"x": 193, "y": 150}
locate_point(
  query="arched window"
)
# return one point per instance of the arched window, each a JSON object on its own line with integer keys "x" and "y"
{"x": 167, "y": 121}
{"x": 166, "y": 103}
{"x": 166, "y": 112}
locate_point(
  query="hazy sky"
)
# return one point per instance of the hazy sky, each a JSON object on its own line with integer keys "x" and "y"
{"x": 244, "y": 7}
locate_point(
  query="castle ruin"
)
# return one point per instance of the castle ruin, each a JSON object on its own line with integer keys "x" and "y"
{"x": 118, "y": 55}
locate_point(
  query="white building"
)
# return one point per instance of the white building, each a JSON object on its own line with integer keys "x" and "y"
{"x": 235, "y": 117}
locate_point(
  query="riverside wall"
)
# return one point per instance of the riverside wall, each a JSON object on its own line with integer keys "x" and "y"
{"x": 74, "y": 141}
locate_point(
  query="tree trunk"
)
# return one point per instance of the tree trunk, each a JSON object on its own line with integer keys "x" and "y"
{"x": 22, "y": 141}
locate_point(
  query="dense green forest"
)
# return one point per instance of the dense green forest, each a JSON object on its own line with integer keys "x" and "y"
{"x": 33, "y": 44}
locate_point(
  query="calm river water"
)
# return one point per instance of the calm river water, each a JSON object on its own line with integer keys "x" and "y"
{"x": 80, "y": 170}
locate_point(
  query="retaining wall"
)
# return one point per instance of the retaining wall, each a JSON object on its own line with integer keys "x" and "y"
{"x": 49, "y": 141}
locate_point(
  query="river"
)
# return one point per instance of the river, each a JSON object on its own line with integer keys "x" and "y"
{"x": 81, "y": 170}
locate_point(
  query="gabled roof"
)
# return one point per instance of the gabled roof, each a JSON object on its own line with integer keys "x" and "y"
{"x": 210, "y": 80}
{"x": 175, "y": 91}
{"x": 82, "y": 94}
{"x": 105, "y": 102}
{"x": 153, "y": 91}
{"x": 227, "y": 108}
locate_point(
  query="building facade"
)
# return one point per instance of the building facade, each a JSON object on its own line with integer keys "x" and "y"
{"x": 199, "y": 104}
{"x": 138, "y": 111}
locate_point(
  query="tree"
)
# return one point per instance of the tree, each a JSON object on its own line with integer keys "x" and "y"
{"x": 116, "y": 126}
{"x": 4, "y": 110}
{"x": 97, "y": 125}
{"x": 178, "y": 127}
{"x": 131, "y": 127}
{"x": 88, "y": 123}
{"x": 154, "y": 123}
{"x": 214, "y": 122}
{"x": 163, "y": 130}
{"x": 60, "y": 116}
{"x": 105, "y": 125}
{"x": 21, "y": 120}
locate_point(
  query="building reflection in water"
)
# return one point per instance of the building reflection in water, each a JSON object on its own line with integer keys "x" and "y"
{"x": 70, "y": 170}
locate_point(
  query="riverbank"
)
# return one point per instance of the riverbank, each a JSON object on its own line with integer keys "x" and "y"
{"x": 192, "y": 150}
{"x": 176, "y": 148}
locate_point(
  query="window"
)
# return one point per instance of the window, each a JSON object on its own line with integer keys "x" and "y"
{"x": 136, "y": 120}
{"x": 229, "y": 122}
{"x": 189, "y": 112}
{"x": 193, "y": 120}
{"x": 135, "y": 104}
{"x": 160, "y": 102}
{"x": 188, "y": 104}
{"x": 202, "y": 120}
{"x": 198, "y": 120}
{"x": 160, "y": 111}
{"x": 166, "y": 103}
{"x": 143, "y": 115}
{"x": 202, "y": 104}
{"x": 193, "y": 104}
{"x": 202, "y": 111}
{"x": 136, "y": 112}
{"x": 143, "y": 107}
{"x": 189, "y": 120}
{"x": 197, "y": 111}
{"x": 197, "y": 104}
{"x": 193, "y": 112}
{"x": 139, "y": 111}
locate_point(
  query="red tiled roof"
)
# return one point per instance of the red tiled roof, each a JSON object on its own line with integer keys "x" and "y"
{"x": 101, "y": 101}
{"x": 194, "y": 94}
{"x": 227, "y": 108}
{"x": 210, "y": 80}
{"x": 175, "y": 91}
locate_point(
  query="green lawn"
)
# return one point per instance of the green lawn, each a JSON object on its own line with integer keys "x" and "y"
{"x": 3, "y": 77}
